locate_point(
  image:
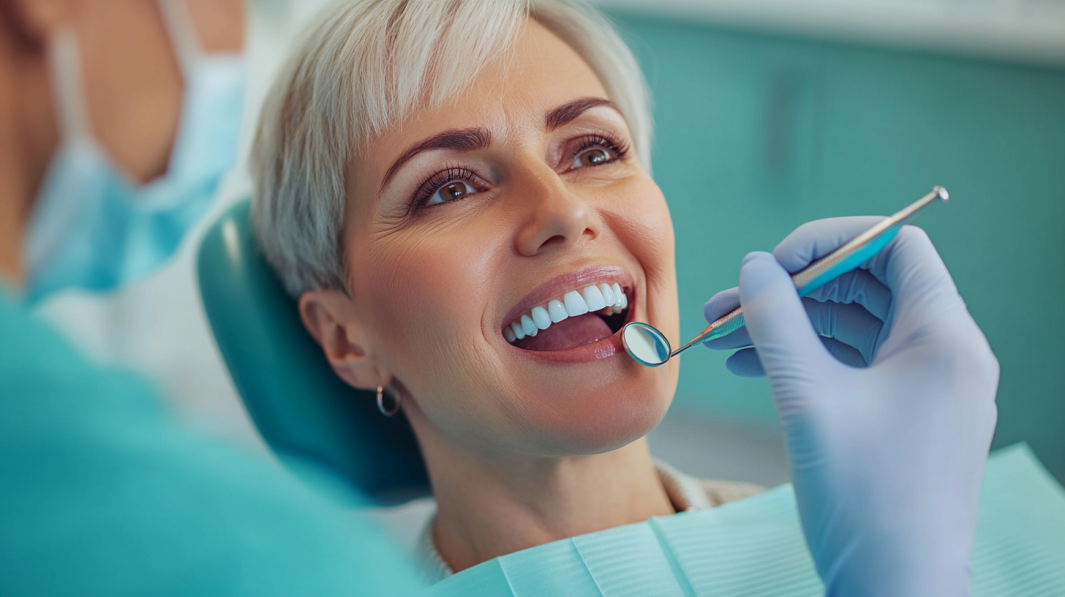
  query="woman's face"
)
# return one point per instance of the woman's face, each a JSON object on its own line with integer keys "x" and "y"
{"x": 464, "y": 218}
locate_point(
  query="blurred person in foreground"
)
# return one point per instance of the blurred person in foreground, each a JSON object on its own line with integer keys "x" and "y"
{"x": 117, "y": 121}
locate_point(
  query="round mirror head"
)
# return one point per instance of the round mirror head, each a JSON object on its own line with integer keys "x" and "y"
{"x": 646, "y": 345}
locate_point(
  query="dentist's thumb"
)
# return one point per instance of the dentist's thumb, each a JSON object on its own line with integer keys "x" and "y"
{"x": 788, "y": 347}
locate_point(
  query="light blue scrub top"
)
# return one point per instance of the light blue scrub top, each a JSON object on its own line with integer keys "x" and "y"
{"x": 102, "y": 494}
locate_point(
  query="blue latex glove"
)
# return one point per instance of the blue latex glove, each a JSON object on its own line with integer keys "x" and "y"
{"x": 886, "y": 459}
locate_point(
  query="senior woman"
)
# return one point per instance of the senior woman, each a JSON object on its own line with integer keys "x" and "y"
{"x": 460, "y": 195}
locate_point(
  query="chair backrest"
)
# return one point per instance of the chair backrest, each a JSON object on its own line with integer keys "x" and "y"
{"x": 301, "y": 408}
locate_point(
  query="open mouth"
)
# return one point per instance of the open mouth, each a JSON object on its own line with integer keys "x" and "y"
{"x": 575, "y": 318}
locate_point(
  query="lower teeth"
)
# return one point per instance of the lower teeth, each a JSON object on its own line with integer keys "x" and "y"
{"x": 580, "y": 331}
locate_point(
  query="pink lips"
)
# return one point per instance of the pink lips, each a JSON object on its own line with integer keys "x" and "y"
{"x": 603, "y": 349}
{"x": 566, "y": 282}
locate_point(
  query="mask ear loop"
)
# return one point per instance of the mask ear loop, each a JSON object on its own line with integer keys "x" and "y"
{"x": 53, "y": 216}
{"x": 183, "y": 36}
{"x": 68, "y": 90}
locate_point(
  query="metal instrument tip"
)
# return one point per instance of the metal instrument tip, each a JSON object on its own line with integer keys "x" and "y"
{"x": 942, "y": 193}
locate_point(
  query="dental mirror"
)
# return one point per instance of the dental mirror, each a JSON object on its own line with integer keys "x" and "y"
{"x": 645, "y": 344}
{"x": 649, "y": 347}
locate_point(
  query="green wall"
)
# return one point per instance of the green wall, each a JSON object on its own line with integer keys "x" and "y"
{"x": 758, "y": 133}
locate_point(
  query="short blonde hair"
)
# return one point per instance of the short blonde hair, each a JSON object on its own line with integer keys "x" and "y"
{"x": 364, "y": 66}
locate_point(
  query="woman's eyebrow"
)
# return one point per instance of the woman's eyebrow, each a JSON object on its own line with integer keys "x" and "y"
{"x": 455, "y": 140}
{"x": 569, "y": 111}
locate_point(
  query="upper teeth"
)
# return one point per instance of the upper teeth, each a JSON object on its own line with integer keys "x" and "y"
{"x": 608, "y": 298}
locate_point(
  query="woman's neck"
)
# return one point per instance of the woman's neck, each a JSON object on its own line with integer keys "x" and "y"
{"x": 486, "y": 509}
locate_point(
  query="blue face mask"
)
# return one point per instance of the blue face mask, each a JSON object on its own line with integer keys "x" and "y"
{"x": 93, "y": 228}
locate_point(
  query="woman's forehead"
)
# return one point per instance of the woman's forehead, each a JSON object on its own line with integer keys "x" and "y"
{"x": 537, "y": 71}
{"x": 517, "y": 92}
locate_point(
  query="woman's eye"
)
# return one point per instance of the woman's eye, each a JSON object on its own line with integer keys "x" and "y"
{"x": 451, "y": 191}
{"x": 591, "y": 157}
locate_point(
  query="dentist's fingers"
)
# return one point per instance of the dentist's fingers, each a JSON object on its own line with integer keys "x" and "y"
{"x": 844, "y": 353}
{"x": 814, "y": 240}
{"x": 740, "y": 338}
{"x": 745, "y": 363}
{"x": 860, "y": 287}
{"x": 851, "y": 324}
{"x": 777, "y": 322}
{"x": 909, "y": 267}
{"x": 917, "y": 276}
{"x": 721, "y": 304}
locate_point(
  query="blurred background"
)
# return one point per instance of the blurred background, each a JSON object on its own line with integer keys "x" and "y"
{"x": 769, "y": 113}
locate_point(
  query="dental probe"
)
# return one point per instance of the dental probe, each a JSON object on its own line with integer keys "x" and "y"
{"x": 649, "y": 347}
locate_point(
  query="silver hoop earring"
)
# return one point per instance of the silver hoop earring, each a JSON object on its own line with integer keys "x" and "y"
{"x": 381, "y": 402}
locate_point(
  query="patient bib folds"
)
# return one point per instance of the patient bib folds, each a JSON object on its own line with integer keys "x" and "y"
{"x": 755, "y": 547}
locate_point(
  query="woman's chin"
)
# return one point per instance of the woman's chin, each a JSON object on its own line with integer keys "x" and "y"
{"x": 602, "y": 422}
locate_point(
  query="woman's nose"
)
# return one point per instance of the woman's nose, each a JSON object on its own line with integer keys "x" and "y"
{"x": 554, "y": 215}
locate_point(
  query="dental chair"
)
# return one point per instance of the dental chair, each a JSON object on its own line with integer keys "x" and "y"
{"x": 301, "y": 408}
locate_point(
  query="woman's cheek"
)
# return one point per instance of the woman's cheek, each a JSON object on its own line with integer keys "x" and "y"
{"x": 419, "y": 290}
{"x": 431, "y": 289}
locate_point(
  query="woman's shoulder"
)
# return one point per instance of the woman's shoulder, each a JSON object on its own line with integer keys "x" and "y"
{"x": 692, "y": 493}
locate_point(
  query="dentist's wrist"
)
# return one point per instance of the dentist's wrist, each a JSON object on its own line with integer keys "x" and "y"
{"x": 918, "y": 569}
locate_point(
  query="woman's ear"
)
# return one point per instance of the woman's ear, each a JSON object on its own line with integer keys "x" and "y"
{"x": 330, "y": 318}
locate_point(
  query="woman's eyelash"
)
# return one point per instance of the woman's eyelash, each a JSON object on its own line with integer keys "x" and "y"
{"x": 618, "y": 147}
{"x": 459, "y": 174}
{"x": 438, "y": 180}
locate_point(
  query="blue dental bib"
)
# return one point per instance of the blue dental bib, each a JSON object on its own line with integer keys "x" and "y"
{"x": 755, "y": 547}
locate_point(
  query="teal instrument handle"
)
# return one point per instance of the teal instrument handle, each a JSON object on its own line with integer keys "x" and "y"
{"x": 844, "y": 259}
{"x": 847, "y": 263}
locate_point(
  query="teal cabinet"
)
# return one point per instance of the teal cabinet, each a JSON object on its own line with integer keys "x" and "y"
{"x": 758, "y": 133}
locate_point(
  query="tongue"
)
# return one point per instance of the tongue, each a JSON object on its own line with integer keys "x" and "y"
{"x": 568, "y": 333}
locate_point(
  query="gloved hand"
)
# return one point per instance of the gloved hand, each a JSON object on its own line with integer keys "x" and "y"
{"x": 886, "y": 458}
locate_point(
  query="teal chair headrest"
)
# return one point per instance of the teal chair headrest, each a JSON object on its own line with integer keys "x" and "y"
{"x": 302, "y": 409}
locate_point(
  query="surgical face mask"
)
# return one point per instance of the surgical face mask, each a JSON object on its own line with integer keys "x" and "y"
{"x": 92, "y": 227}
